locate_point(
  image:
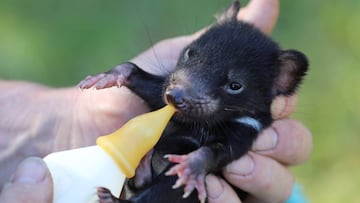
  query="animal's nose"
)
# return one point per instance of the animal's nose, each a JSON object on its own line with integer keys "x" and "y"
{"x": 175, "y": 96}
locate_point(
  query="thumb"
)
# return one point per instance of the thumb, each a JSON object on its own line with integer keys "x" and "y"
{"x": 31, "y": 182}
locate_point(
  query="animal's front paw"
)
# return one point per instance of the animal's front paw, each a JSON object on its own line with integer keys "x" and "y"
{"x": 114, "y": 77}
{"x": 105, "y": 196}
{"x": 191, "y": 173}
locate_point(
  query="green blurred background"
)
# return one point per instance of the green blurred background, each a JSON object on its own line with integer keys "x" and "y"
{"x": 59, "y": 42}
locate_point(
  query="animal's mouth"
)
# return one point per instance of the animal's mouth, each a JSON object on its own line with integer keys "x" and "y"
{"x": 189, "y": 104}
{"x": 194, "y": 111}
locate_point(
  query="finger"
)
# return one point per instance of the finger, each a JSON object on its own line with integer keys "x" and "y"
{"x": 287, "y": 141}
{"x": 31, "y": 182}
{"x": 163, "y": 56}
{"x": 283, "y": 106}
{"x": 219, "y": 191}
{"x": 263, "y": 14}
{"x": 261, "y": 177}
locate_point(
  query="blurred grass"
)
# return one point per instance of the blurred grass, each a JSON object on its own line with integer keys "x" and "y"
{"x": 59, "y": 42}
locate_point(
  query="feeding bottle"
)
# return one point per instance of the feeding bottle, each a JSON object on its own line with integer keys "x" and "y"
{"x": 77, "y": 173}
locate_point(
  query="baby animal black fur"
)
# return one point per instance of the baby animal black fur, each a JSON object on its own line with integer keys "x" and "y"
{"x": 222, "y": 88}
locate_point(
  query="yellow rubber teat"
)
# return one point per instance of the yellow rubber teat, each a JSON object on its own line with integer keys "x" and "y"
{"x": 133, "y": 140}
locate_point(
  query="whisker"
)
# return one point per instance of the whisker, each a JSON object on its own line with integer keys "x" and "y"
{"x": 159, "y": 61}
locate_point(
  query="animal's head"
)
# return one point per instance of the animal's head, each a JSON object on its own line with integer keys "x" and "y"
{"x": 232, "y": 70}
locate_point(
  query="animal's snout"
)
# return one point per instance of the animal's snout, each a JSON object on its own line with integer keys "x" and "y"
{"x": 175, "y": 96}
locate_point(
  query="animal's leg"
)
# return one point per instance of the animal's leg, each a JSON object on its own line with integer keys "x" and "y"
{"x": 105, "y": 196}
{"x": 114, "y": 77}
{"x": 147, "y": 86}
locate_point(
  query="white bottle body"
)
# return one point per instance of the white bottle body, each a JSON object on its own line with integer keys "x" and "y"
{"x": 77, "y": 173}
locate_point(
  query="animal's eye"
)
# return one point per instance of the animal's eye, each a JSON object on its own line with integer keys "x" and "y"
{"x": 234, "y": 88}
{"x": 188, "y": 53}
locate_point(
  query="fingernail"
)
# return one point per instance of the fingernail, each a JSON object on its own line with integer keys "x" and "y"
{"x": 31, "y": 170}
{"x": 213, "y": 186}
{"x": 267, "y": 140}
{"x": 244, "y": 166}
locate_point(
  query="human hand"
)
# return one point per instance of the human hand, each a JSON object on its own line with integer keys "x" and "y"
{"x": 116, "y": 106}
{"x": 31, "y": 182}
{"x": 43, "y": 120}
{"x": 162, "y": 57}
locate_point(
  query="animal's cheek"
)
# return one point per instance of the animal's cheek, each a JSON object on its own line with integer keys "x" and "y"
{"x": 199, "y": 108}
{"x": 206, "y": 106}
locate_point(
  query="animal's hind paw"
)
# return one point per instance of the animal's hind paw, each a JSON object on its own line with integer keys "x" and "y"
{"x": 191, "y": 174}
{"x": 114, "y": 77}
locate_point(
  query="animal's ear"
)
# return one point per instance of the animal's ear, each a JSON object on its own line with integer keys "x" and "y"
{"x": 292, "y": 68}
{"x": 230, "y": 13}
